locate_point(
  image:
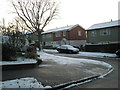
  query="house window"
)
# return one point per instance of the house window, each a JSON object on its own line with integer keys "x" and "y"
{"x": 49, "y": 35}
{"x": 58, "y": 34}
{"x": 104, "y": 32}
{"x": 43, "y": 36}
{"x": 64, "y": 33}
{"x": 93, "y": 33}
{"x": 79, "y": 33}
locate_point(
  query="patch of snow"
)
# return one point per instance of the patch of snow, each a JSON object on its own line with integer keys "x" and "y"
{"x": 50, "y": 50}
{"x": 105, "y": 25}
{"x": 45, "y": 65}
{"x": 19, "y": 61}
{"x": 90, "y": 80}
{"x": 97, "y": 54}
{"x": 90, "y": 54}
{"x": 89, "y": 71}
{"x": 77, "y": 84}
{"x": 60, "y": 29}
{"x": 57, "y": 59}
{"x": 109, "y": 71}
{"x": 96, "y": 70}
{"x": 4, "y": 39}
{"x": 68, "y": 60}
{"x": 23, "y": 83}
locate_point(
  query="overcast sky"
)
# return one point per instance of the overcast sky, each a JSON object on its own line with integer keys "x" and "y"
{"x": 82, "y": 12}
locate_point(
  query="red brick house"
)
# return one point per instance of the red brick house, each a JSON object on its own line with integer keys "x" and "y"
{"x": 73, "y": 35}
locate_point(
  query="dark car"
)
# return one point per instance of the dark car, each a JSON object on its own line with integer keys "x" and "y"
{"x": 118, "y": 52}
{"x": 67, "y": 49}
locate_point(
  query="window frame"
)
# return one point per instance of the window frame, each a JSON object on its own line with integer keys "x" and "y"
{"x": 93, "y": 33}
{"x": 57, "y": 34}
{"x": 64, "y": 33}
{"x": 79, "y": 33}
{"x": 104, "y": 32}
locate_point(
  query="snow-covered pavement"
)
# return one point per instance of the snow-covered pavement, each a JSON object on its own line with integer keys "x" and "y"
{"x": 90, "y": 54}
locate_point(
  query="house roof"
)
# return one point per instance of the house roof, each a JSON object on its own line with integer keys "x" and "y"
{"x": 105, "y": 25}
{"x": 61, "y": 29}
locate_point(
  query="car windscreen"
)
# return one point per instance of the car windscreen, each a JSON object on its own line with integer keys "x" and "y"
{"x": 63, "y": 47}
{"x": 68, "y": 46}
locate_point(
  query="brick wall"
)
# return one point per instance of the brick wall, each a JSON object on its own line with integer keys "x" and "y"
{"x": 71, "y": 35}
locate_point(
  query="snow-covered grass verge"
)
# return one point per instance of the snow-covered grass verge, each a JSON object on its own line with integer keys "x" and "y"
{"x": 90, "y": 54}
{"x": 29, "y": 82}
{"x": 19, "y": 61}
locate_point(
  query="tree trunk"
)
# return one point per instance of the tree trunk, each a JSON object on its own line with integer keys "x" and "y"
{"x": 39, "y": 40}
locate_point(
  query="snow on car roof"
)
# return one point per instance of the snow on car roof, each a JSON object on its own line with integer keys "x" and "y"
{"x": 60, "y": 29}
{"x": 105, "y": 25}
{"x": 67, "y": 45}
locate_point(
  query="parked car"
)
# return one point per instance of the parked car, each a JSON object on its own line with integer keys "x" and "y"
{"x": 55, "y": 46}
{"x": 75, "y": 46}
{"x": 118, "y": 52}
{"x": 67, "y": 49}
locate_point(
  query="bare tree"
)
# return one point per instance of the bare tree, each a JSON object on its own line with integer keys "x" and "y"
{"x": 36, "y": 14}
{"x": 2, "y": 26}
{"x": 12, "y": 39}
{"x": 15, "y": 34}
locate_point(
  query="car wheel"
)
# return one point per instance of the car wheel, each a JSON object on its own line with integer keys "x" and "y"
{"x": 59, "y": 51}
{"x": 70, "y": 52}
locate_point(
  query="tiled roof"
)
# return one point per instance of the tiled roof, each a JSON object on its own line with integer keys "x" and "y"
{"x": 105, "y": 25}
{"x": 60, "y": 29}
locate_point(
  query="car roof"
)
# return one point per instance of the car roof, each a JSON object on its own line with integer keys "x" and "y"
{"x": 66, "y": 45}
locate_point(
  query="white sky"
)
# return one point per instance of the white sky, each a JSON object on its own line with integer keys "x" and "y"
{"x": 82, "y": 12}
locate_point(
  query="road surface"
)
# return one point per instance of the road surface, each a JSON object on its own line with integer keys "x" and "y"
{"x": 110, "y": 81}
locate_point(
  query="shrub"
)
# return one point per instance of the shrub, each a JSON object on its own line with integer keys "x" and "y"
{"x": 31, "y": 55}
{"x": 31, "y": 52}
{"x": 8, "y": 52}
